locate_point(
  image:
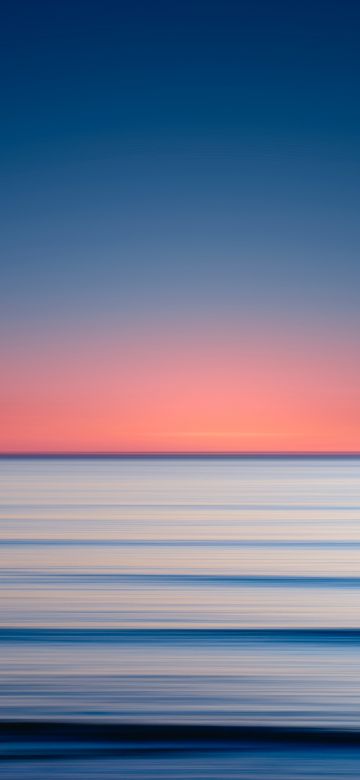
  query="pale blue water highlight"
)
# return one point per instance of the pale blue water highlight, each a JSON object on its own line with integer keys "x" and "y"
{"x": 193, "y": 592}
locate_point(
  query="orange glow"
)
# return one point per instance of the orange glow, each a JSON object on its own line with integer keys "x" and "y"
{"x": 186, "y": 393}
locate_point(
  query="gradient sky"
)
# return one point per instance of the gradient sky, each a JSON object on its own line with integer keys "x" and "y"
{"x": 179, "y": 232}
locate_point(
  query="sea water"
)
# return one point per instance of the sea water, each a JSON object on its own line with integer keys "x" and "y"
{"x": 180, "y": 617}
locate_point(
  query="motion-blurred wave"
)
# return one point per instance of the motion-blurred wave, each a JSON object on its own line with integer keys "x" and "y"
{"x": 155, "y": 611}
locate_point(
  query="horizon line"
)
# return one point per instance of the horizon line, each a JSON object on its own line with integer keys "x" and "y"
{"x": 163, "y": 454}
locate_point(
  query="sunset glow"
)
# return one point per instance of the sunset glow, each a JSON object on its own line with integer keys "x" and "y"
{"x": 179, "y": 239}
{"x": 182, "y": 394}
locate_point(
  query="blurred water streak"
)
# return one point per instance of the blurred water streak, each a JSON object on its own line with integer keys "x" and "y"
{"x": 185, "y": 591}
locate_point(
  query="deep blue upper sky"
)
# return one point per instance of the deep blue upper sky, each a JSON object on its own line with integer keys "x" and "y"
{"x": 171, "y": 160}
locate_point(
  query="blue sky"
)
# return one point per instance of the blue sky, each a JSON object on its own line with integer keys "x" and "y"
{"x": 174, "y": 163}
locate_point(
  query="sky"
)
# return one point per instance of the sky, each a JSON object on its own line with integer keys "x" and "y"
{"x": 179, "y": 228}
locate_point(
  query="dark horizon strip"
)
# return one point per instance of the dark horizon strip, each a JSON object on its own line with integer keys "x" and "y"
{"x": 241, "y": 455}
{"x": 47, "y": 736}
{"x": 181, "y": 635}
{"x": 256, "y": 580}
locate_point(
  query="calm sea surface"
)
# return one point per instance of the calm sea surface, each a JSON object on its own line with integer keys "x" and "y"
{"x": 211, "y": 607}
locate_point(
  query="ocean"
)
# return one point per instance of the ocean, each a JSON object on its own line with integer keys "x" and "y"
{"x": 180, "y": 617}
